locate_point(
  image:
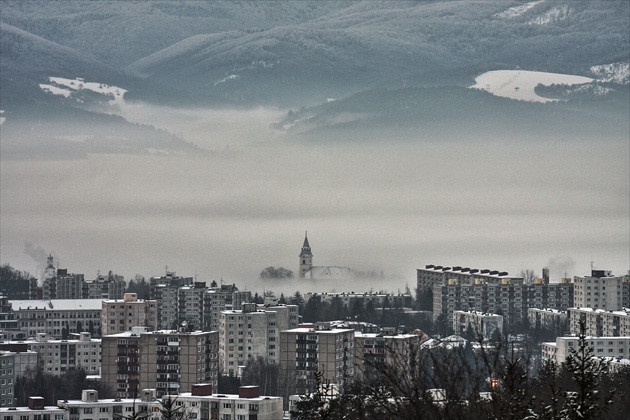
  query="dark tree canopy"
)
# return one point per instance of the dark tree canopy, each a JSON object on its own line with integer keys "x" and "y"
{"x": 276, "y": 273}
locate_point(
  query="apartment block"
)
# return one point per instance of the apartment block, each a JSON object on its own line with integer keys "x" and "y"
{"x": 165, "y": 290}
{"x": 219, "y": 299}
{"x": 7, "y": 378}
{"x": 190, "y": 301}
{"x": 507, "y": 299}
{"x": 601, "y": 290}
{"x": 599, "y": 322}
{"x": 251, "y": 332}
{"x": 167, "y": 361}
{"x": 35, "y": 411}
{"x": 548, "y": 319}
{"x": 200, "y": 403}
{"x": 433, "y": 275}
{"x": 110, "y": 286}
{"x": 120, "y": 362}
{"x": 483, "y": 324}
{"x": 58, "y": 318}
{"x": 618, "y": 347}
{"x": 55, "y": 356}
{"x": 374, "y": 349}
{"x": 175, "y": 360}
{"x": 119, "y": 315}
{"x": 305, "y": 351}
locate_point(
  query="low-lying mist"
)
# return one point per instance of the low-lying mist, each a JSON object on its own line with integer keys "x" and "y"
{"x": 376, "y": 206}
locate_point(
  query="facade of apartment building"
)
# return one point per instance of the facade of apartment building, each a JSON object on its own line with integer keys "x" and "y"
{"x": 34, "y": 411}
{"x": 164, "y": 360}
{"x": 483, "y": 324}
{"x": 377, "y": 300}
{"x": 165, "y": 290}
{"x": 507, "y": 299}
{"x": 55, "y": 357}
{"x": 432, "y": 275}
{"x": 120, "y": 315}
{"x": 252, "y": 332}
{"x": 58, "y": 318}
{"x": 548, "y": 319}
{"x": 110, "y": 286}
{"x": 602, "y": 290}
{"x": 305, "y": 351}
{"x": 617, "y": 347}
{"x": 200, "y": 403}
{"x": 372, "y": 350}
{"x": 219, "y": 299}
{"x": 599, "y": 322}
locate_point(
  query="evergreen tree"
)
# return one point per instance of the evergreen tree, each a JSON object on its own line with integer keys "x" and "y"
{"x": 584, "y": 402}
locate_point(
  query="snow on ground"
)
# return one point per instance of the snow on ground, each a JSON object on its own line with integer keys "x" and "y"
{"x": 555, "y": 14}
{"x": 63, "y": 86}
{"x": 515, "y": 11}
{"x": 614, "y": 72}
{"x": 2, "y": 119}
{"x": 55, "y": 90}
{"x": 520, "y": 84}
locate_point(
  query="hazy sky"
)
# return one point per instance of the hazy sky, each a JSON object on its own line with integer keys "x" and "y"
{"x": 393, "y": 206}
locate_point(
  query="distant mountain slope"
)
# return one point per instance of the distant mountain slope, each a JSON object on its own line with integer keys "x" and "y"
{"x": 124, "y": 31}
{"x": 457, "y": 112}
{"x": 372, "y": 43}
{"x": 26, "y": 60}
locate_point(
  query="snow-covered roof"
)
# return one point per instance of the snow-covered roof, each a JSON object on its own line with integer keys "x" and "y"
{"x": 329, "y": 272}
{"x": 58, "y": 304}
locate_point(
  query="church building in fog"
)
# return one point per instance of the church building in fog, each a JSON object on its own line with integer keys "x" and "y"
{"x": 320, "y": 272}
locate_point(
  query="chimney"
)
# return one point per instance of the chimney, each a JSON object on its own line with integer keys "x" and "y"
{"x": 36, "y": 403}
{"x": 201, "y": 390}
{"x": 545, "y": 273}
{"x": 250, "y": 391}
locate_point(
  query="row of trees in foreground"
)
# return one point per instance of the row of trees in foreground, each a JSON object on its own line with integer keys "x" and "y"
{"x": 483, "y": 383}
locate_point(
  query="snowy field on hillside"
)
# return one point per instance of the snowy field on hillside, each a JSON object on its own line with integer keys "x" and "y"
{"x": 64, "y": 87}
{"x": 521, "y": 84}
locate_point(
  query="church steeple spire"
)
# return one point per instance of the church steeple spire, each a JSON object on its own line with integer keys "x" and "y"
{"x": 306, "y": 257}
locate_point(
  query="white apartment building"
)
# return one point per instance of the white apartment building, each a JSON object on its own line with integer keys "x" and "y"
{"x": 599, "y": 322}
{"x": 120, "y": 315}
{"x": 600, "y": 290}
{"x": 35, "y": 411}
{"x": 198, "y": 404}
{"x": 253, "y": 331}
{"x": 482, "y": 323}
{"x": 58, "y": 317}
{"x": 618, "y": 347}
{"x": 55, "y": 356}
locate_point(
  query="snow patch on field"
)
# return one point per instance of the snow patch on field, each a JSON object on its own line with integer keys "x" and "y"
{"x": 65, "y": 87}
{"x": 521, "y": 84}
{"x": 513, "y": 12}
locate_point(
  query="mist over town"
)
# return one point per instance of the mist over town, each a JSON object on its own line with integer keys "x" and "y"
{"x": 303, "y": 209}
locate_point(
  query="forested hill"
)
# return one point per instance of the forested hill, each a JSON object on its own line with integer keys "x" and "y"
{"x": 302, "y": 53}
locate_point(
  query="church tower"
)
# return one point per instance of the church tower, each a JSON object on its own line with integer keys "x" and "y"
{"x": 306, "y": 257}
